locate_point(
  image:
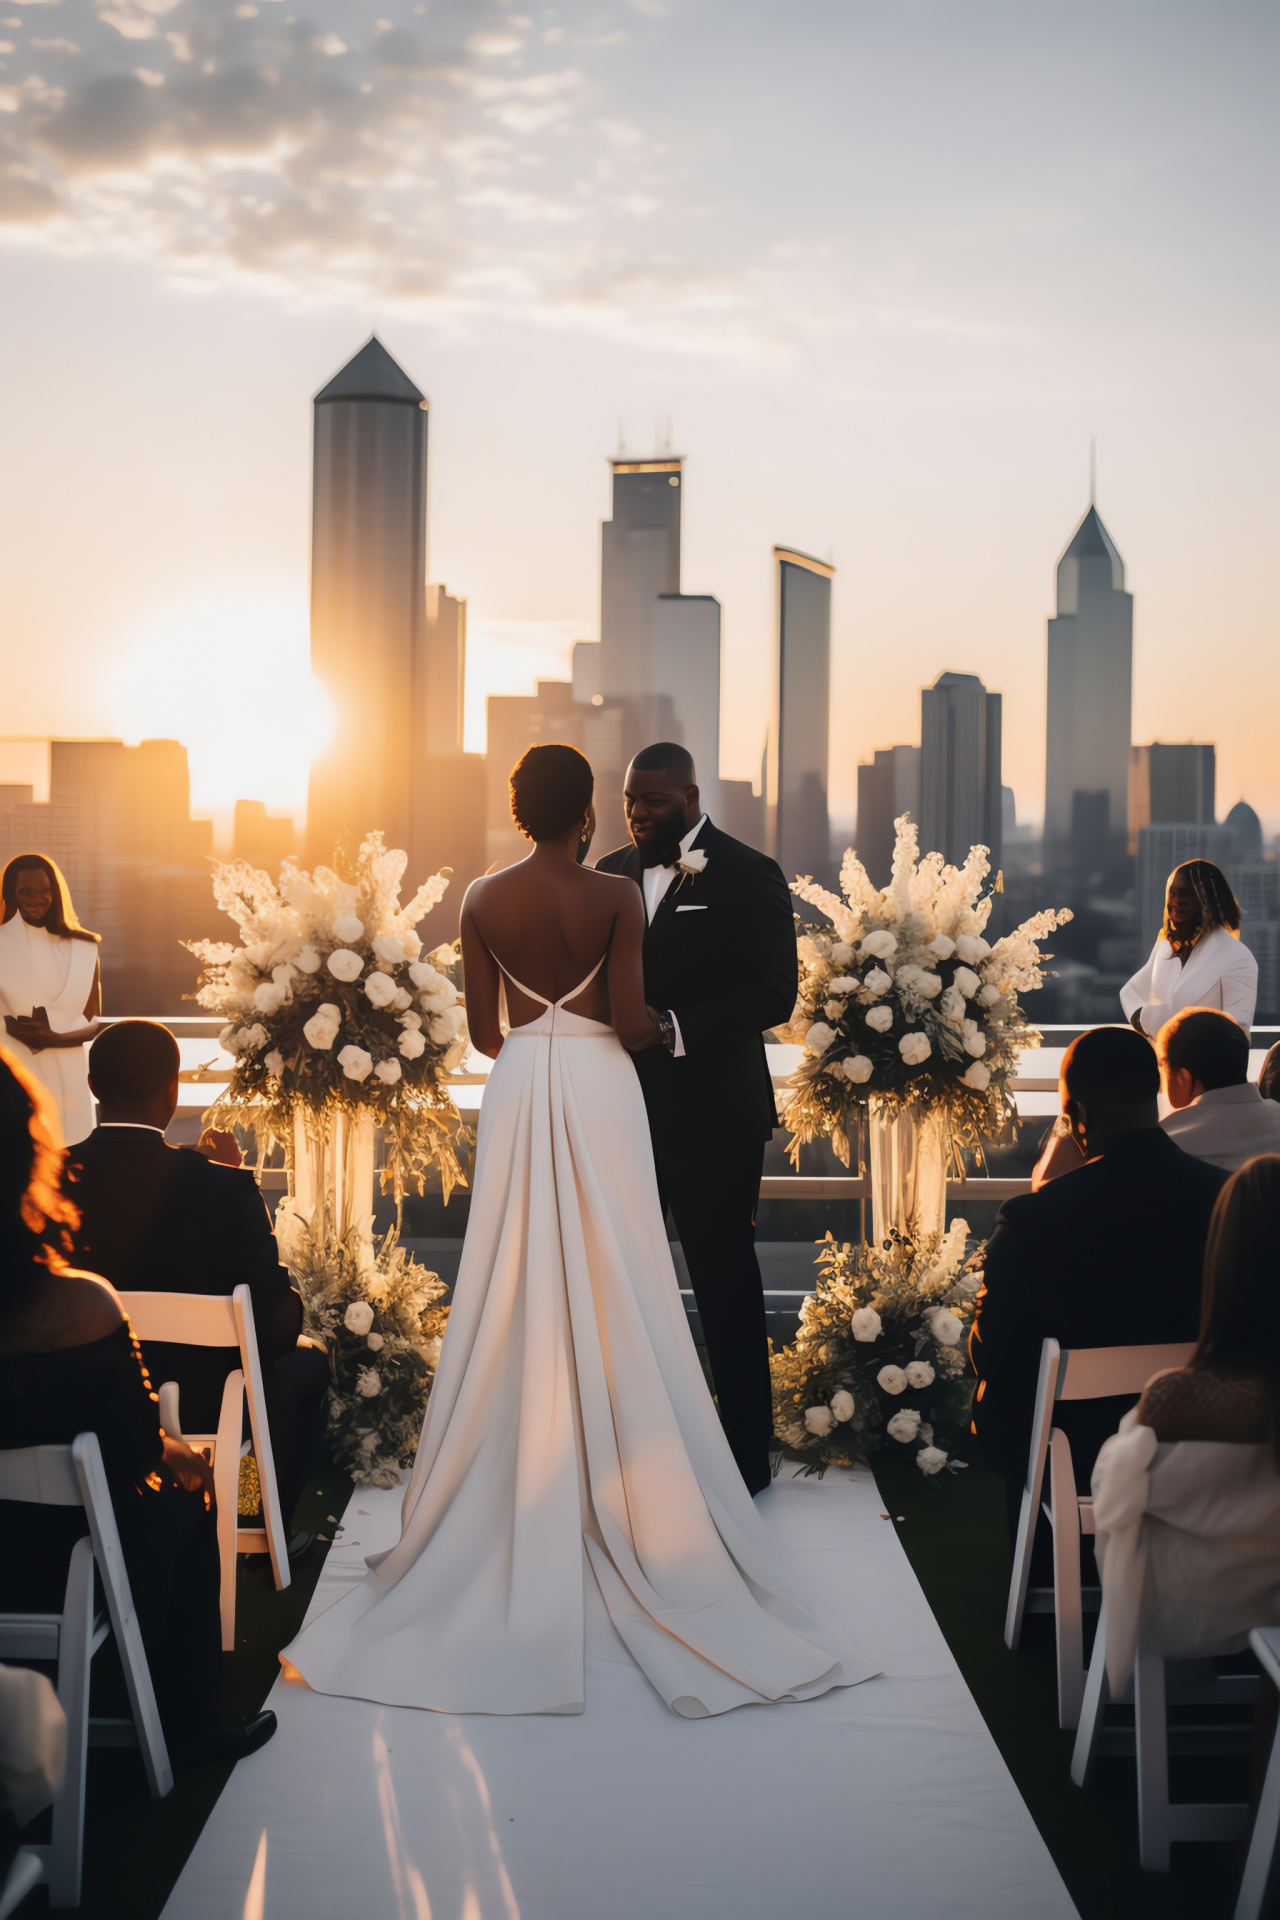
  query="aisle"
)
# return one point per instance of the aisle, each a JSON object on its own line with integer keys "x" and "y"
{"x": 888, "y": 1797}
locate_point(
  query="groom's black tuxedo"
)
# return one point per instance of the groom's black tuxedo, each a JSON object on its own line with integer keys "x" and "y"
{"x": 721, "y": 954}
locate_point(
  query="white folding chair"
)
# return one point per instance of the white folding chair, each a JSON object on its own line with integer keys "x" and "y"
{"x": 73, "y": 1477}
{"x": 1082, "y": 1373}
{"x": 25, "y": 1872}
{"x": 222, "y": 1320}
{"x": 1161, "y": 1820}
{"x": 1258, "y": 1882}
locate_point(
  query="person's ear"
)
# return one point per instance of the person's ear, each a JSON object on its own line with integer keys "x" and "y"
{"x": 693, "y": 799}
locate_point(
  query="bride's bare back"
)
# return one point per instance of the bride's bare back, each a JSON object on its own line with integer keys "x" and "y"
{"x": 548, "y": 921}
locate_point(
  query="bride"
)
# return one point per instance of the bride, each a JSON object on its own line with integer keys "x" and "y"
{"x": 571, "y": 1453}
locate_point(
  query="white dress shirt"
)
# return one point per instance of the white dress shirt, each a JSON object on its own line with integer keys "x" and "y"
{"x": 1226, "y": 1126}
{"x": 655, "y": 884}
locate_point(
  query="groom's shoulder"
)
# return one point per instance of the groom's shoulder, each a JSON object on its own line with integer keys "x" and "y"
{"x": 619, "y": 861}
{"x": 746, "y": 859}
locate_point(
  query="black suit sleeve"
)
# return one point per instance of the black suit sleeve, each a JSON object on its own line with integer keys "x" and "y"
{"x": 252, "y": 1259}
{"x": 760, "y": 968}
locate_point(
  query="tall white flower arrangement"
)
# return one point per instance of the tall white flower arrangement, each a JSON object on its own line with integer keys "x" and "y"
{"x": 903, "y": 1001}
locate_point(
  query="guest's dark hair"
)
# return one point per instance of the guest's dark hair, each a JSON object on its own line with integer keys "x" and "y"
{"x": 62, "y": 915}
{"x": 1111, "y": 1067}
{"x": 551, "y": 789}
{"x": 1240, "y": 1316}
{"x": 1212, "y": 1046}
{"x": 666, "y": 757}
{"x": 34, "y": 1214}
{"x": 132, "y": 1061}
{"x": 1269, "y": 1078}
{"x": 1217, "y": 904}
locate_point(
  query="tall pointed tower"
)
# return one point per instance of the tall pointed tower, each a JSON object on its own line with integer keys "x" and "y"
{"x": 1089, "y": 705}
{"x": 368, "y": 598}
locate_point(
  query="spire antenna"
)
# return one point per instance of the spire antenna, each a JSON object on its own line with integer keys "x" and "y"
{"x": 1093, "y": 469}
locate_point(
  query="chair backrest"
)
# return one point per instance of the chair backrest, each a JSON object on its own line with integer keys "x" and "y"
{"x": 1095, "y": 1373}
{"x": 183, "y": 1319}
{"x": 40, "y": 1476}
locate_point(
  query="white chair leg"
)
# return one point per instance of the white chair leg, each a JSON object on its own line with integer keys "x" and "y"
{"x": 1069, "y": 1629}
{"x": 1093, "y": 1706}
{"x": 226, "y": 1485}
{"x": 1151, "y": 1732}
{"x": 75, "y": 1652}
{"x": 1021, "y": 1576}
{"x": 1258, "y": 1867}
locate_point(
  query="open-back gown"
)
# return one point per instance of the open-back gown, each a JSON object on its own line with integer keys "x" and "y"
{"x": 570, "y": 1441}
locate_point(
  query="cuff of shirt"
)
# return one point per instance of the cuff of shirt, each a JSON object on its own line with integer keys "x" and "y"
{"x": 677, "y": 1052}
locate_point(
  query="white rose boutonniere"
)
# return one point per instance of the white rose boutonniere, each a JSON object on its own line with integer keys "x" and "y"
{"x": 694, "y": 861}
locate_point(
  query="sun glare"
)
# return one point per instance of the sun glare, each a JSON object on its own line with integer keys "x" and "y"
{"x": 230, "y": 676}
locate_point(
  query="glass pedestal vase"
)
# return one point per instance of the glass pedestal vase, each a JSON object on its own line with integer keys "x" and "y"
{"x": 332, "y": 1175}
{"x": 907, "y": 1162}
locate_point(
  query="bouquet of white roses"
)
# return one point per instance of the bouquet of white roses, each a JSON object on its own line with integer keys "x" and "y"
{"x": 879, "y": 1360}
{"x": 905, "y": 1002}
{"x": 330, "y": 1003}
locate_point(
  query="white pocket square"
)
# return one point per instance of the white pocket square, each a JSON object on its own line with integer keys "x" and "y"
{"x": 690, "y": 909}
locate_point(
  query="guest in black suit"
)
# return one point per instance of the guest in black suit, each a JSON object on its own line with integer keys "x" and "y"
{"x": 1108, "y": 1255}
{"x": 720, "y": 968}
{"x": 162, "y": 1219}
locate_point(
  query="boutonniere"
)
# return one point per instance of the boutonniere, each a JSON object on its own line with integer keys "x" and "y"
{"x": 690, "y": 864}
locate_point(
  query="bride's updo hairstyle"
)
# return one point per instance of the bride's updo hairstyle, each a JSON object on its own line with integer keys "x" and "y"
{"x": 551, "y": 789}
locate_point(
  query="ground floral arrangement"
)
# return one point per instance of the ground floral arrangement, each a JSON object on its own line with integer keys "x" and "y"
{"x": 380, "y": 1317}
{"x": 880, "y": 1358}
{"x": 904, "y": 1004}
{"x": 332, "y": 1006}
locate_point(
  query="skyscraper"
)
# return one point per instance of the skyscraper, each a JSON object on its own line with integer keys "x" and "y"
{"x": 1089, "y": 704}
{"x": 1170, "y": 782}
{"x": 887, "y": 788}
{"x": 961, "y": 799}
{"x": 797, "y": 824}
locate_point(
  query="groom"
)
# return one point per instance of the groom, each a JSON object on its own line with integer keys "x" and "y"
{"x": 719, "y": 968}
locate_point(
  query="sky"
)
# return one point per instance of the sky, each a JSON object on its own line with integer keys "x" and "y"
{"x": 886, "y": 266}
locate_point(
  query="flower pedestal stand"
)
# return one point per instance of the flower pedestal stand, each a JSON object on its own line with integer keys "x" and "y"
{"x": 332, "y": 1175}
{"x": 907, "y": 1163}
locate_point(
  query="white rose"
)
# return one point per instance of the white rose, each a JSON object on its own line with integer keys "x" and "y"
{"x": 356, "y": 1063}
{"x": 413, "y": 1020}
{"x": 693, "y": 861}
{"x": 249, "y": 1039}
{"x": 321, "y": 1030}
{"x": 931, "y": 1459}
{"x": 440, "y": 998}
{"x": 402, "y": 1000}
{"x": 274, "y": 1062}
{"x": 308, "y": 961}
{"x": 880, "y": 946}
{"x": 389, "y": 946}
{"x": 368, "y": 1382}
{"x": 978, "y": 1077}
{"x": 388, "y": 1071}
{"x": 819, "y": 1037}
{"x": 225, "y": 1039}
{"x": 846, "y": 983}
{"x": 842, "y": 1405}
{"x": 967, "y": 981}
{"x": 819, "y": 1420}
{"x": 880, "y": 1019}
{"x": 358, "y": 1317}
{"x": 866, "y": 1324}
{"x": 892, "y": 1380}
{"x": 920, "y": 1373}
{"x": 380, "y": 988}
{"x": 375, "y": 1343}
{"x": 904, "y": 1425}
{"x": 347, "y": 927}
{"x": 858, "y": 1068}
{"x": 975, "y": 1040}
{"x": 412, "y": 1044}
{"x": 990, "y": 997}
{"x": 841, "y": 954}
{"x": 345, "y": 965}
{"x": 878, "y": 981}
{"x": 268, "y": 997}
{"x": 445, "y": 1027}
{"x": 834, "y": 1009}
{"x": 951, "y": 1005}
{"x": 972, "y": 948}
{"x": 915, "y": 1048}
{"x": 929, "y": 985}
{"x": 424, "y": 976}
{"x": 944, "y": 946}
{"x": 945, "y": 1328}
{"x": 412, "y": 945}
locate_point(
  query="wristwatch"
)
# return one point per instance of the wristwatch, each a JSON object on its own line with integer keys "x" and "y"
{"x": 667, "y": 1029}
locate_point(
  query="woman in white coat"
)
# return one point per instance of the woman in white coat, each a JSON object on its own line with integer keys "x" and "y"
{"x": 1199, "y": 959}
{"x": 50, "y": 986}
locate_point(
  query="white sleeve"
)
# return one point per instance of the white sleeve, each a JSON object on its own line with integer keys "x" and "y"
{"x": 1136, "y": 992}
{"x": 1240, "y": 985}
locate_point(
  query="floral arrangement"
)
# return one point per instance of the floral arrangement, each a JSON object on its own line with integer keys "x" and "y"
{"x": 880, "y": 1356}
{"x": 904, "y": 1003}
{"x": 330, "y": 1003}
{"x": 380, "y": 1318}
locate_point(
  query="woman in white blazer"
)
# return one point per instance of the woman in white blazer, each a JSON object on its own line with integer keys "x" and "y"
{"x": 1199, "y": 959}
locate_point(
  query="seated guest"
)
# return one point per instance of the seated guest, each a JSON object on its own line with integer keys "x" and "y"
{"x": 1230, "y": 1389}
{"x": 1108, "y": 1255}
{"x": 69, "y": 1365}
{"x": 1204, "y": 1070}
{"x": 162, "y": 1219}
{"x": 1269, "y": 1078}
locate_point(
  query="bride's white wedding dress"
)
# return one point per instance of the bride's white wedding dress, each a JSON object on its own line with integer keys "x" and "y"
{"x": 570, "y": 1441}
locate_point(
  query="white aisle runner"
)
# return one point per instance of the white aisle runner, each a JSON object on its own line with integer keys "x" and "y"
{"x": 886, "y": 1798}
